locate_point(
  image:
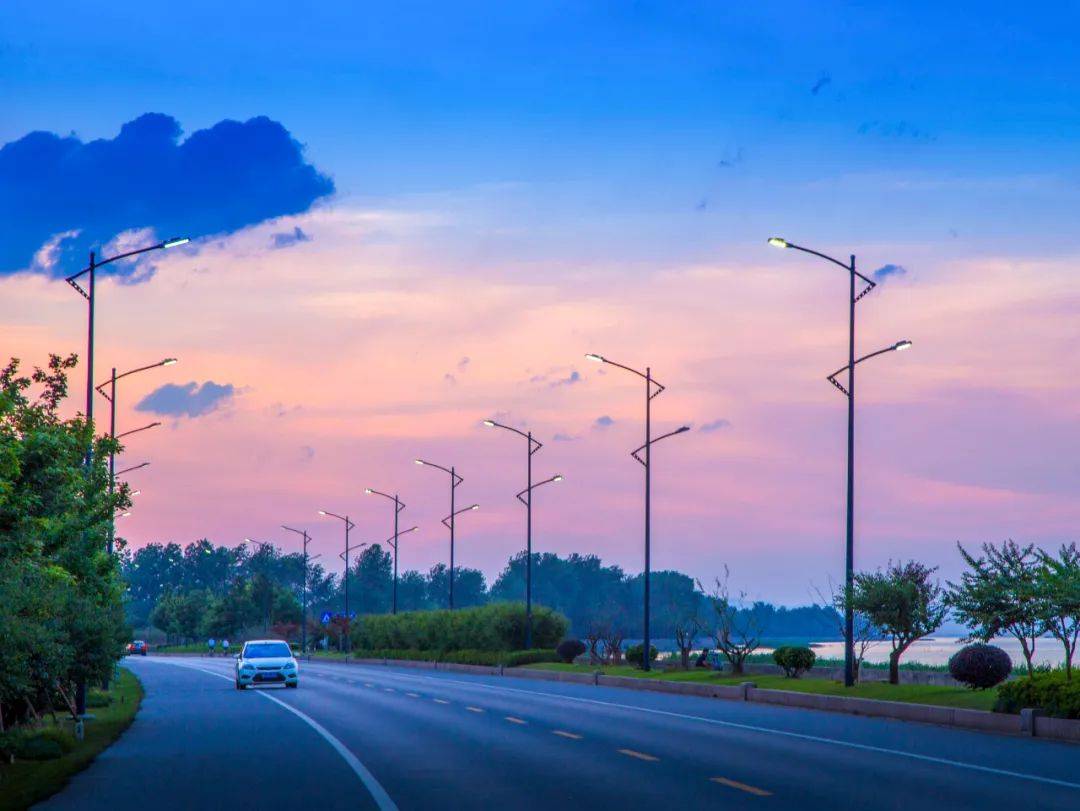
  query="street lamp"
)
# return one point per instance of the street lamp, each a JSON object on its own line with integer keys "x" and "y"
{"x": 532, "y": 446}
{"x": 652, "y": 389}
{"x": 455, "y": 481}
{"x": 349, "y": 525}
{"x": 303, "y": 588}
{"x": 111, "y": 397}
{"x": 88, "y": 294}
{"x": 398, "y": 507}
{"x": 450, "y": 526}
{"x": 849, "y": 391}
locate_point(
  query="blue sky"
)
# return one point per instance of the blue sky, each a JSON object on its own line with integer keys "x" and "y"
{"x": 410, "y": 185}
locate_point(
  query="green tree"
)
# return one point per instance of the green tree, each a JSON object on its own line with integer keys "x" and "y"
{"x": 1058, "y": 582}
{"x": 903, "y": 602}
{"x": 1000, "y": 594}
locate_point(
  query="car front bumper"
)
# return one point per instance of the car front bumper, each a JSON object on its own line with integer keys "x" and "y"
{"x": 248, "y": 677}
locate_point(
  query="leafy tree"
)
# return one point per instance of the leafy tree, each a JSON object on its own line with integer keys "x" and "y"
{"x": 903, "y": 603}
{"x": 1000, "y": 594}
{"x": 1058, "y": 582}
{"x": 866, "y": 634}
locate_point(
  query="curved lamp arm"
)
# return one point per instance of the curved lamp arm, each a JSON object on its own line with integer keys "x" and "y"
{"x": 136, "y": 430}
{"x": 558, "y": 477}
{"x": 100, "y": 387}
{"x": 459, "y": 512}
{"x": 780, "y": 242}
{"x": 348, "y": 522}
{"x": 458, "y": 479}
{"x": 535, "y": 444}
{"x": 373, "y": 492}
{"x": 636, "y": 451}
{"x": 899, "y": 346}
{"x": 601, "y": 359}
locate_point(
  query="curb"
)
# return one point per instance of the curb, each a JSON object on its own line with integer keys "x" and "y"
{"x": 1030, "y": 723}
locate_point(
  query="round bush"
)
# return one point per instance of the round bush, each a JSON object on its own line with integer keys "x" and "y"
{"x": 570, "y": 649}
{"x": 795, "y": 660}
{"x": 38, "y": 747}
{"x": 980, "y": 666}
{"x": 635, "y": 652}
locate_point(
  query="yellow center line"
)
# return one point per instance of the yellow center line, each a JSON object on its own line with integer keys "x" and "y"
{"x": 474, "y": 709}
{"x": 571, "y": 735}
{"x": 638, "y": 755}
{"x": 440, "y": 701}
{"x": 759, "y": 792}
{"x": 514, "y": 720}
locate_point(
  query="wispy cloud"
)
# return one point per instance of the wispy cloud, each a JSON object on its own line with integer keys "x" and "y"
{"x": 286, "y": 239}
{"x": 886, "y": 272}
{"x": 715, "y": 425}
{"x": 823, "y": 81}
{"x": 603, "y": 422}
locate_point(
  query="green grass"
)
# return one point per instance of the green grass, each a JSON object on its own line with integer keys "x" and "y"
{"x": 24, "y": 783}
{"x": 882, "y": 691}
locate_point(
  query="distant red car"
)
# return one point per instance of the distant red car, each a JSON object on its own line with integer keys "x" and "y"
{"x": 138, "y": 646}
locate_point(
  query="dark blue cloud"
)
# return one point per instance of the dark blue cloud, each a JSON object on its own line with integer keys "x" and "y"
{"x": 286, "y": 239}
{"x": 886, "y": 272}
{"x": 570, "y": 380}
{"x": 71, "y": 195}
{"x": 187, "y": 400}
{"x": 715, "y": 425}
{"x": 824, "y": 80}
{"x": 603, "y": 422}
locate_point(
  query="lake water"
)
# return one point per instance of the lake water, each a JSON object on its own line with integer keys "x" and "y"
{"x": 937, "y": 650}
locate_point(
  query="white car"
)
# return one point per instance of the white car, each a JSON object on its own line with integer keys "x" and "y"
{"x": 266, "y": 661}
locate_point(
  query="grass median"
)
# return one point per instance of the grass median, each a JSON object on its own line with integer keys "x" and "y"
{"x": 882, "y": 691}
{"x": 24, "y": 783}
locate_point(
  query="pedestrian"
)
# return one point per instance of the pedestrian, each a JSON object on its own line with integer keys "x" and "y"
{"x": 211, "y": 644}
{"x": 224, "y": 647}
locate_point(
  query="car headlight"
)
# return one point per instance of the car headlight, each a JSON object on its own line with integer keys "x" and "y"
{"x": 289, "y": 666}
{"x": 247, "y": 666}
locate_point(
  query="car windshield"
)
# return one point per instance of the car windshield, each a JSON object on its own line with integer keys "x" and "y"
{"x": 267, "y": 650}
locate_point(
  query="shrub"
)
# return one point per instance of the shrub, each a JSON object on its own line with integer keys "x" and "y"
{"x": 467, "y": 657}
{"x": 494, "y": 627}
{"x": 795, "y": 660}
{"x": 44, "y": 744}
{"x": 97, "y": 698}
{"x": 1051, "y": 692}
{"x": 635, "y": 653}
{"x": 570, "y": 649}
{"x": 980, "y": 666}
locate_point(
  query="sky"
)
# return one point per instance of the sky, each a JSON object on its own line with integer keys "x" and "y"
{"x": 409, "y": 217}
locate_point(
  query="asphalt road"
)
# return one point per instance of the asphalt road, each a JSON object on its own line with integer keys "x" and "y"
{"x": 376, "y": 737}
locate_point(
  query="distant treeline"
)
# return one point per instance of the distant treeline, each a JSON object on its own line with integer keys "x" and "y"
{"x": 206, "y": 590}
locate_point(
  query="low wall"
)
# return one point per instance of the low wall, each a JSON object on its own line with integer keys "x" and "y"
{"x": 1059, "y": 729}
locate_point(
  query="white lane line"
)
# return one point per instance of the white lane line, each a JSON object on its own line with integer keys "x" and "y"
{"x": 474, "y": 709}
{"x": 562, "y": 733}
{"x": 639, "y": 755}
{"x": 759, "y": 792}
{"x": 514, "y": 720}
{"x": 378, "y": 793}
{"x": 862, "y": 747}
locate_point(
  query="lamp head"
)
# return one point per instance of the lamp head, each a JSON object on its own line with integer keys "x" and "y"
{"x": 778, "y": 242}
{"x": 475, "y": 507}
{"x": 322, "y": 512}
{"x": 168, "y": 362}
{"x": 175, "y": 242}
{"x": 418, "y": 461}
{"x": 558, "y": 477}
{"x": 489, "y": 423}
{"x": 594, "y": 357}
{"x": 900, "y": 346}
{"x": 368, "y": 491}
{"x": 683, "y": 430}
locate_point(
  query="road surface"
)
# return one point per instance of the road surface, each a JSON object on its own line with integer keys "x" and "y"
{"x": 385, "y": 738}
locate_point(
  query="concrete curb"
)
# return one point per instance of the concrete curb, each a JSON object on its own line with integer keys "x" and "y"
{"x": 1029, "y": 723}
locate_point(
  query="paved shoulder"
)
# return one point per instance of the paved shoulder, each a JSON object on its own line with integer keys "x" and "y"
{"x": 197, "y": 743}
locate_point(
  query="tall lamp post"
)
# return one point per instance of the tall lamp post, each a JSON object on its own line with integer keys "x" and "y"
{"x": 450, "y": 526}
{"x": 455, "y": 482}
{"x": 349, "y": 526}
{"x": 111, "y": 397}
{"x": 525, "y": 497}
{"x": 393, "y": 541}
{"x": 89, "y": 294}
{"x": 303, "y": 588}
{"x": 854, "y": 295}
{"x": 652, "y": 389}
{"x": 398, "y": 507}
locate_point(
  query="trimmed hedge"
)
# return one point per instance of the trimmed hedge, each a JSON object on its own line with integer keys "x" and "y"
{"x": 795, "y": 660}
{"x": 48, "y": 743}
{"x": 1050, "y": 692}
{"x": 495, "y": 627}
{"x": 980, "y": 666}
{"x": 486, "y": 658}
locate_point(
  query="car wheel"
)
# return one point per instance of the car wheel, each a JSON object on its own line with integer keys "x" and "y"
{"x": 240, "y": 686}
{"x": 292, "y": 686}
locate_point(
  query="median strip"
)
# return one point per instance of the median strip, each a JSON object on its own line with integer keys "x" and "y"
{"x": 638, "y": 755}
{"x": 758, "y": 792}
